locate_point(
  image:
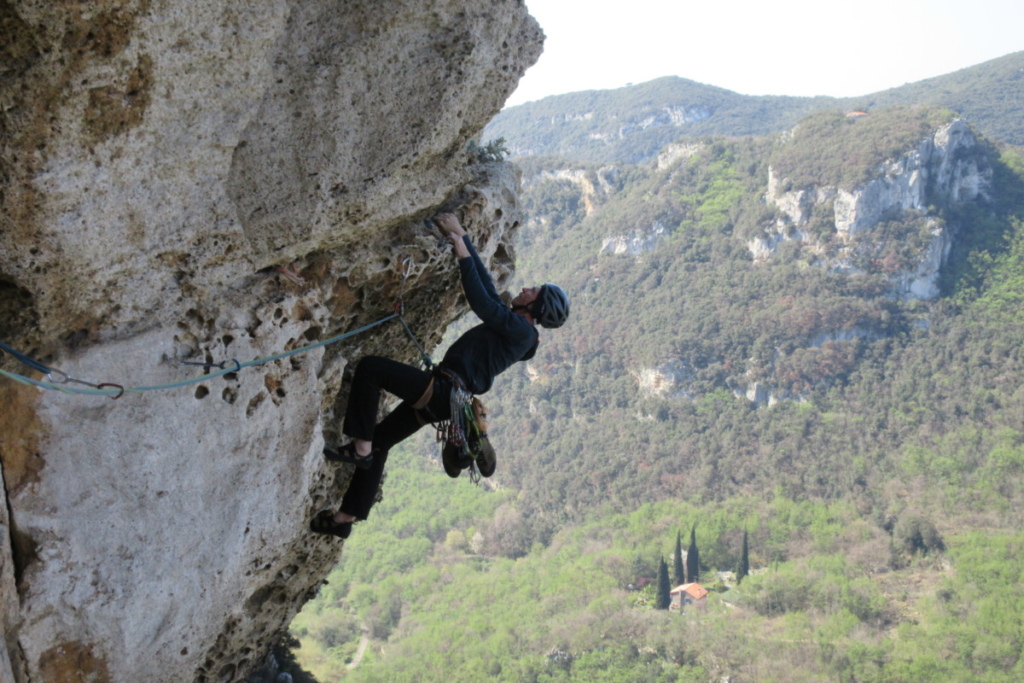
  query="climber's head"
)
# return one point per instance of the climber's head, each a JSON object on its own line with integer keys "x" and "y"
{"x": 547, "y": 304}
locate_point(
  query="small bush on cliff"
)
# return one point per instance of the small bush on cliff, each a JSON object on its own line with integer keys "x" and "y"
{"x": 494, "y": 150}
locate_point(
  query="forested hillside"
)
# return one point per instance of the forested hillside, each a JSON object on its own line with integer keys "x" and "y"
{"x": 869, "y": 441}
{"x": 988, "y": 94}
{"x": 714, "y": 323}
{"x": 632, "y": 124}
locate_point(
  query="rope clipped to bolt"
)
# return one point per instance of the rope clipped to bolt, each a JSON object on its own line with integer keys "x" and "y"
{"x": 58, "y": 380}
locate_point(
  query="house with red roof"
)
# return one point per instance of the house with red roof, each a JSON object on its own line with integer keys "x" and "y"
{"x": 688, "y": 595}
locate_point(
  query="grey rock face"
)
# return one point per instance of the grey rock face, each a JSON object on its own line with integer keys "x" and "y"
{"x": 158, "y": 162}
{"x": 942, "y": 168}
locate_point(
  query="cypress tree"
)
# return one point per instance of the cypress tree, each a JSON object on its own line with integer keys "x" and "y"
{"x": 678, "y": 570}
{"x": 744, "y": 569}
{"x": 693, "y": 558}
{"x": 664, "y": 598}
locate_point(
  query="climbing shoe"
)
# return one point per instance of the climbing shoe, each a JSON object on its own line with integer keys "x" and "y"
{"x": 324, "y": 523}
{"x": 455, "y": 459}
{"x": 347, "y": 453}
{"x": 450, "y": 460}
{"x": 486, "y": 459}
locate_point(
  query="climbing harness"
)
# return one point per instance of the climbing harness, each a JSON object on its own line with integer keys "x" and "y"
{"x": 463, "y": 436}
{"x": 58, "y": 380}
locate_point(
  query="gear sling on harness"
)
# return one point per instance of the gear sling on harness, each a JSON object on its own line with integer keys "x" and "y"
{"x": 464, "y": 434}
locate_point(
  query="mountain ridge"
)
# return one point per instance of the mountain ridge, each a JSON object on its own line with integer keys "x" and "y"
{"x": 631, "y": 123}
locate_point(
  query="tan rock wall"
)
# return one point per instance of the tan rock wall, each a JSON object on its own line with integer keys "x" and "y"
{"x": 157, "y": 160}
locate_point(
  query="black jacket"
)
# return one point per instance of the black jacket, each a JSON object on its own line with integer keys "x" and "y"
{"x": 502, "y": 339}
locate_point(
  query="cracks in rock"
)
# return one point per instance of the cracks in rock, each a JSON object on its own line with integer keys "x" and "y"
{"x": 20, "y": 428}
{"x": 23, "y": 549}
{"x": 18, "y": 317}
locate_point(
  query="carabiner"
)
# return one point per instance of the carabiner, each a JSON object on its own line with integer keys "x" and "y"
{"x": 114, "y": 397}
{"x": 65, "y": 377}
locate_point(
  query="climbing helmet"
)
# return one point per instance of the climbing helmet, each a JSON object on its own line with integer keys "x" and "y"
{"x": 551, "y": 308}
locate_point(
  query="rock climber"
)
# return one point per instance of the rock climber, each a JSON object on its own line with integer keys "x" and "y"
{"x": 506, "y": 335}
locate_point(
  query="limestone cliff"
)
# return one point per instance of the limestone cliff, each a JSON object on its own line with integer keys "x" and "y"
{"x": 942, "y": 170}
{"x": 159, "y": 160}
{"x": 894, "y": 224}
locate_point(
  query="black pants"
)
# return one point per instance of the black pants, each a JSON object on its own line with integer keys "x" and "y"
{"x": 373, "y": 375}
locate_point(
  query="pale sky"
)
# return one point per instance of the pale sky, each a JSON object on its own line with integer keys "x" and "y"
{"x": 756, "y": 47}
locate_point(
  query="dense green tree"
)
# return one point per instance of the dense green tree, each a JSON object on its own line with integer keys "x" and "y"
{"x": 917, "y": 535}
{"x": 693, "y": 558}
{"x": 664, "y": 596}
{"x": 679, "y": 570}
{"x": 743, "y": 569}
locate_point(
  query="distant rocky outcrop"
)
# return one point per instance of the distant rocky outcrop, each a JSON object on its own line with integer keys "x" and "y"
{"x": 159, "y": 164}
{"x": 941, "y": 171}
{"x": 594, "y": 187}
{"x": 892, "y": 224}
{"x": 636, "y": 242}
{"x": 668, "y": 380}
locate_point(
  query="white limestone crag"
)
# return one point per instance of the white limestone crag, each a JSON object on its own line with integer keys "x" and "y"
{"x": 674, "y": 152}
{"x": 634, "y": 243}
{"x": 941, "y": 170}
{"x": 594, "y": 187}
{"x": 667, "y": 116}
{"x": 671, "y": 379}
{"x": 158, "y": 161}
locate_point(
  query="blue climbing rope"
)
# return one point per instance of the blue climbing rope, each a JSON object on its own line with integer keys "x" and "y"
{"x": 57, "y": 380}
{"x": 32, "y": 363}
